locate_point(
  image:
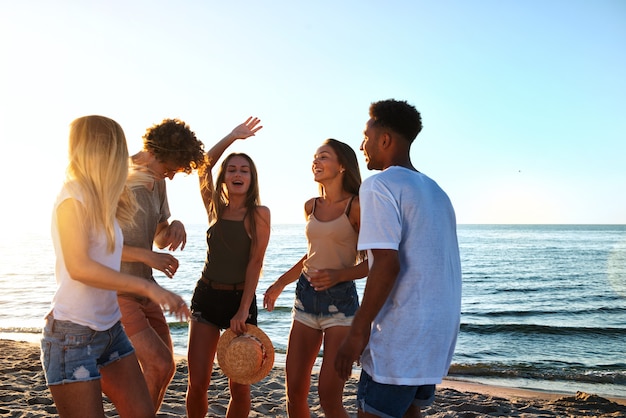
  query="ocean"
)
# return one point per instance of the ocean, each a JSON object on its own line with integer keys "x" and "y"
{"x": 544, "y": 306}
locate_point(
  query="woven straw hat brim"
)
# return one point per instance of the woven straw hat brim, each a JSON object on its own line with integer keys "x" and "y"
{"x": 231, "y": 370}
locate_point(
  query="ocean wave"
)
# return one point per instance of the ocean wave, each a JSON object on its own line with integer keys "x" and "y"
{"x": 570, "y": 313}
{"x": 533, "y": 329}
{"x": 615, "y": 375}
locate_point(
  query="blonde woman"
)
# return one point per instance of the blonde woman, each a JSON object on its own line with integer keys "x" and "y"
{"x": 84, "y": 348}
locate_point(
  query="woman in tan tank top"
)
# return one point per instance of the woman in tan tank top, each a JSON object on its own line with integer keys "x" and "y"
{"x": 326, "y": 297}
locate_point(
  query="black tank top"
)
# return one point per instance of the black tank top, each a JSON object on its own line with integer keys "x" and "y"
{"x": 228, "y": 252}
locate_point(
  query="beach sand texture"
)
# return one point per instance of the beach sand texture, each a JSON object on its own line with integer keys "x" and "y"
{"x": 23, "y": 393}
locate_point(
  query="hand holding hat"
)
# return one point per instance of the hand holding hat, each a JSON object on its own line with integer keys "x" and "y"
{"x": 245, "y": 358}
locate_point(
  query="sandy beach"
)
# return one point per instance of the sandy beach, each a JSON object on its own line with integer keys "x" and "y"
{"x": 23, "y": 393}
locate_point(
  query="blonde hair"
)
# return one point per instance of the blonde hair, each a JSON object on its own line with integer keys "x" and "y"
{"x": 98, "y": 164}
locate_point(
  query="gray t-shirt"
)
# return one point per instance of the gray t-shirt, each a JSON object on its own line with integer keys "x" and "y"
{"x": 153, "y": 209}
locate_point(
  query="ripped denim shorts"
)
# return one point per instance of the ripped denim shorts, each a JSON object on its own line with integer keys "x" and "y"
{"x": 339, "y": 299}
{"x": 75, "y": 353}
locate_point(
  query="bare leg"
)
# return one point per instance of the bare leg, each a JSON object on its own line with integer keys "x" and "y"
{"x": 155, "y": 356}
{"x": 330, "y": 384}
{"x": 413, "y": 412}
{"x": 302, "y": 349}
{"x": 80, "y": 399}
{"x": 124, "y": 384}
{"x": 203, "y": 340}
{"x": 239, "y": 404}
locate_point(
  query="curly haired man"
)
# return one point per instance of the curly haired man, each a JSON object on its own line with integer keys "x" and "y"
{"x": 168, "y": 148}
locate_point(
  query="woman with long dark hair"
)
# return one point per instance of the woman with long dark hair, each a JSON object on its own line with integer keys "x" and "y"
{"x": 224, "y": 296}
{"x": 326, "y": 296}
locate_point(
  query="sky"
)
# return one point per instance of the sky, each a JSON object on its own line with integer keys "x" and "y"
{"x": 523, "y": 102}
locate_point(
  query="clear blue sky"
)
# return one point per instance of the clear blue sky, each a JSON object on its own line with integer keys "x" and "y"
{"x": 523, "y": 102}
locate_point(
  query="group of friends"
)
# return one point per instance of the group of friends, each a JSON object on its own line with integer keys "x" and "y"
{"x": 107, "y": 333}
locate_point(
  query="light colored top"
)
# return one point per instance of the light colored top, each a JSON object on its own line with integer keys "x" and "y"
{"x": 73, "y": 300}
{"x": 414, "y": 334}
{"x": 331, "y": 244}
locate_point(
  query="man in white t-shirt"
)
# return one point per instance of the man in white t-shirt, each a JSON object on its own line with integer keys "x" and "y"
{"x": 405, "y": 331}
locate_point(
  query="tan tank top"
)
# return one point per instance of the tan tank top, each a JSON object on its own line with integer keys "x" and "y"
{"x": 331, "y": 244}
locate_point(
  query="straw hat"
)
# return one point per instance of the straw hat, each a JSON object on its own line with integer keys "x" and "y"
{"x": 245, "y": 358}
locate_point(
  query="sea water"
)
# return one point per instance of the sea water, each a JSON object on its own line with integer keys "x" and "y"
{"x": 544, "y": 306}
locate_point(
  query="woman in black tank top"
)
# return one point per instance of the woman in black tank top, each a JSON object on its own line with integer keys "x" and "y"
{"x": 225, "y": 294}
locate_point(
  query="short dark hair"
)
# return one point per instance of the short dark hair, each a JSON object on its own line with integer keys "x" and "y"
{"x": 397, "y": 115}
{"x": 173, "y": 142}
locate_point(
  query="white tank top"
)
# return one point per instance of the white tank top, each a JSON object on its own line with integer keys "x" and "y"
{"x": 74, "y": 301}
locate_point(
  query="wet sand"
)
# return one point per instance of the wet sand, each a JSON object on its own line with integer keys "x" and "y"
{"x": 23, "y": 393}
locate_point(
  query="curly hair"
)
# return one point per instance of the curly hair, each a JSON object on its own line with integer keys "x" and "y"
{"x": 397, "y": 115}
{"x": 172, "y": 141}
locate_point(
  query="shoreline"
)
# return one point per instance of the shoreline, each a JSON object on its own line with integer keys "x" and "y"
{"x": 457, "y": 382}
{"x": 22, "y": 388}
{"x": 466, "y": 385}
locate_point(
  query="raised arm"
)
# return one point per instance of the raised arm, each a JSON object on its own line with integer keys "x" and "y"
{"x": 242, "y": 131}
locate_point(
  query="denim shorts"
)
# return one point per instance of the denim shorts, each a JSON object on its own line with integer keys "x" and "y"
{"x": 340, "y": 299}
{"x": 217, "y": 307}
{"x": 391, "y": 401}
{"x": 319, "y": 322}
{"x": 75, "y": 353}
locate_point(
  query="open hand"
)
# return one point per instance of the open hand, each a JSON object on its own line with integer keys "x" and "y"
{"x": 169, "y": 302}
{"x": 247, "y": 129}
{"x": 164, "y": 262}
{"x": 350, "y": 352}
{"x": 270, "y": 296}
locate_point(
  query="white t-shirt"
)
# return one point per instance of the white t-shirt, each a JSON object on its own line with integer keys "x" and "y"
{"x": 414, "y": 334}
{"x": 73, "y": 300}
